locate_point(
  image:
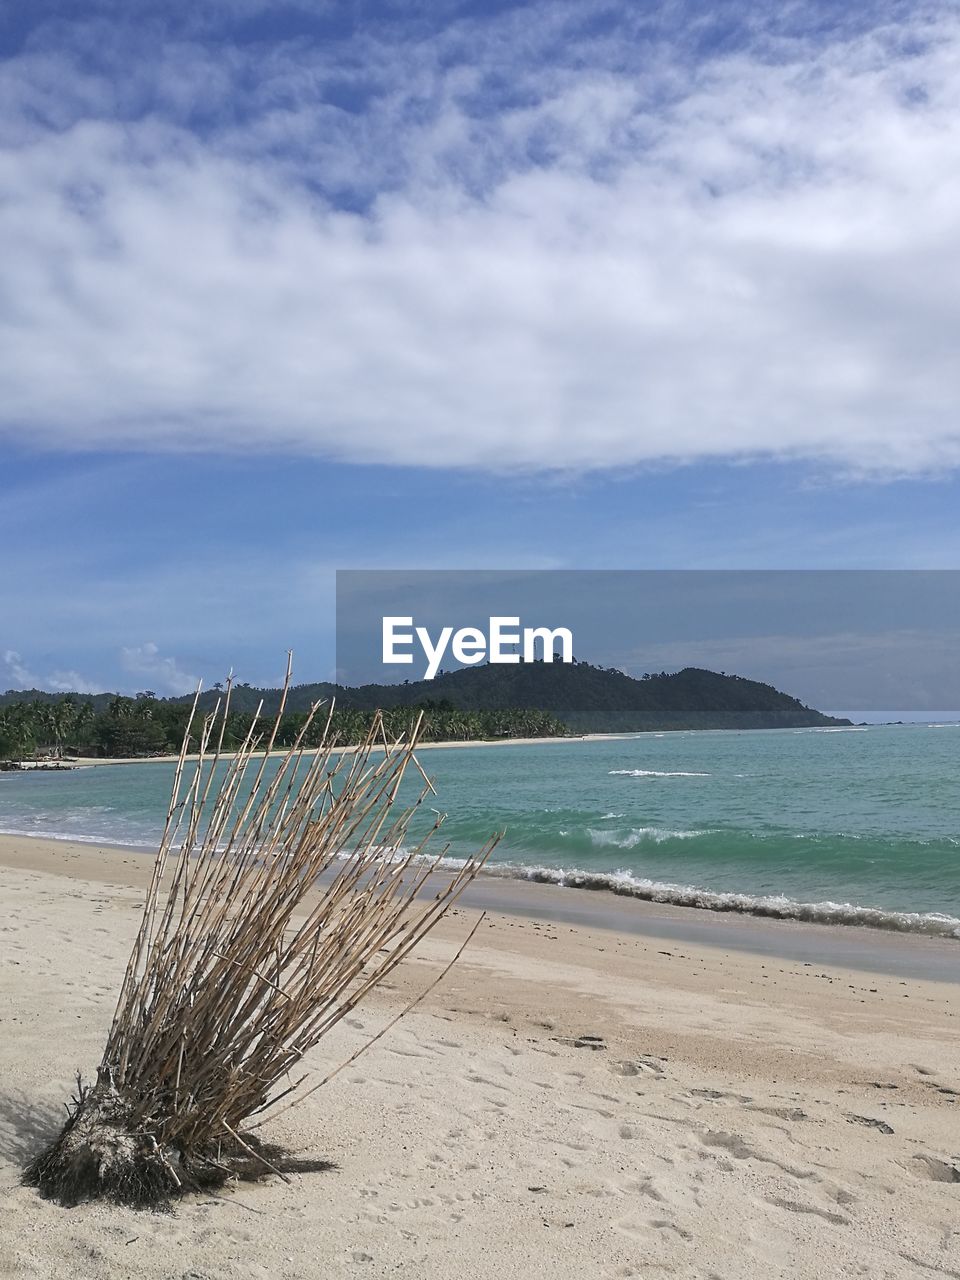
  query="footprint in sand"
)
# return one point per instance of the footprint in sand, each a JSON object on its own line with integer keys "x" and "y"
{"x": 741, "y": 1150}
{"x": 637, "y": 1067}
{"x": 474, "y": 1078}
{"x": 794, "y": 1206}
{"x": 717, "y": 1095}
{"x": 869, "y": 1123}
{"x": 780, "y": 1113}
{"x": 639, "y": 1228}
{"x": 597, "y": 1043}
{"x": 936, "y": 1170}
{"x": 406, "y": 1053}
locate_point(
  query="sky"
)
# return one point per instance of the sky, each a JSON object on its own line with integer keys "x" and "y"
{"x": 292, "y": 288}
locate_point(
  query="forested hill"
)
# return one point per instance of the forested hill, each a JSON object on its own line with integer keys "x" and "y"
{"x": 586, "y": 698}
{"x": 489, "y": 700}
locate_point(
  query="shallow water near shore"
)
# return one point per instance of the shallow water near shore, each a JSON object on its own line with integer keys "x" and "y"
{"x": 858, "y": 826}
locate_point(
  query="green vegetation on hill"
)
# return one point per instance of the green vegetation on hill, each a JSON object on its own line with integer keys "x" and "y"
{"x": 590, "y": 699}
{"x": 145, "y": 726}
{"x": 525, "y": 700}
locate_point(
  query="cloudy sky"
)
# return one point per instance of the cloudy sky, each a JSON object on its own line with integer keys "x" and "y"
{"x": 286, "y": 288}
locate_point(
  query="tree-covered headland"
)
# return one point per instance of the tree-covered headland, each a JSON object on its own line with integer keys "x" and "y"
{"x": 529, "y": 700}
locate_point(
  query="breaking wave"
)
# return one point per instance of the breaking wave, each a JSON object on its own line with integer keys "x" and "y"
{"x": 655, "y": 773}
{"x": 774, "y": 907}
{"x": 625, "y": 884}
{"x": 637, "y": 835}
{"x": 115, "y": 840}
{"x": 842, "y": 728}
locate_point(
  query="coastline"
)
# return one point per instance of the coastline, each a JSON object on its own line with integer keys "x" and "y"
{"x": 730, "y": 1113}
{"x": 861, "y": 948}
{"x": 740, "y": 827}
{"x": 87, "y": 762}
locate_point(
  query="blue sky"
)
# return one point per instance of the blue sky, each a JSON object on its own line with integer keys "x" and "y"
{"x": 292, "y": 288}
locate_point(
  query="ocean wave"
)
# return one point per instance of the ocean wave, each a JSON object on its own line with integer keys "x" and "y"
{"x": 654, "y": 773}
{"x": 843, "y": 728}
{"x": 116, "y": 840}
{"x": 624, "y": 883}
{"x": 774, "y": 907}
{"x": 638, "y": 835}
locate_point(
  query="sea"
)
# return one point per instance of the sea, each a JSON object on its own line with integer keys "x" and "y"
{"x": 846, "y": 825}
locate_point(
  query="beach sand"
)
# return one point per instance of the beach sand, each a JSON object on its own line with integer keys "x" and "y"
{"x": 570, "y": 1101}
{"x": 86, "y": 762}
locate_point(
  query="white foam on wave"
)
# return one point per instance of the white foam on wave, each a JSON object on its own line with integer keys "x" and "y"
{"x": 638, "y": 835}
{"x": 655, "y": 773}
{"x": 775, "y": 906}
{"x": 116, "y": 840}
{"x": 843, "y": 728}
{"x": 625, "y": 884}
{"x": 768, "y": 906}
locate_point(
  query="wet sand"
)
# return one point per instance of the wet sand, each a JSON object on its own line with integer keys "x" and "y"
{"x": 872, "y": 950}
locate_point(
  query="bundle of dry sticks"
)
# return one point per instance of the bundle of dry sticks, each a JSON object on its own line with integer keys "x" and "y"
{"x": 283, "y": 892}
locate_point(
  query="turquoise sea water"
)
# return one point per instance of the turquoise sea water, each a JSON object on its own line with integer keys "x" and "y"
{"x": 857, "y": 826}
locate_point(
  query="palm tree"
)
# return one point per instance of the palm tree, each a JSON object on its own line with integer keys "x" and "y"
{"x": 83, "y": 720}
{"x": 61, "y": 718}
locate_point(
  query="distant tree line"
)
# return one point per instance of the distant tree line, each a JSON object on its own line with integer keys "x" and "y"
{"x": 146, "y": 725}
{"x": 529, "y": 700}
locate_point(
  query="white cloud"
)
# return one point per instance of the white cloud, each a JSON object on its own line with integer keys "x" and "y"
{"x": 631, "y": 257}
{"x": 20, "y": 676}
{"x": 163, "y": 674}
{"x": 60, "y": 681}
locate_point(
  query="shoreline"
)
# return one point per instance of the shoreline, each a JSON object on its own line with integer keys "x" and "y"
{"x": 863, "y": 948}
{"x": 88, "y": 762}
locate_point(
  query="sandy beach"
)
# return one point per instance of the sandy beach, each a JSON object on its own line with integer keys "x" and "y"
{"x": 83, "y": 762}
{"x": 573, "y": 1100}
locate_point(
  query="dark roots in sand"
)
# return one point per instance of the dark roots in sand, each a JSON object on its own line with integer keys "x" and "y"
{"x": 103, "y": 1152}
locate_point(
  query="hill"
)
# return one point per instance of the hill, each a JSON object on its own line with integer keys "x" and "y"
{"x": 582, "y": 697}
{"x": 588, "y": 699}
